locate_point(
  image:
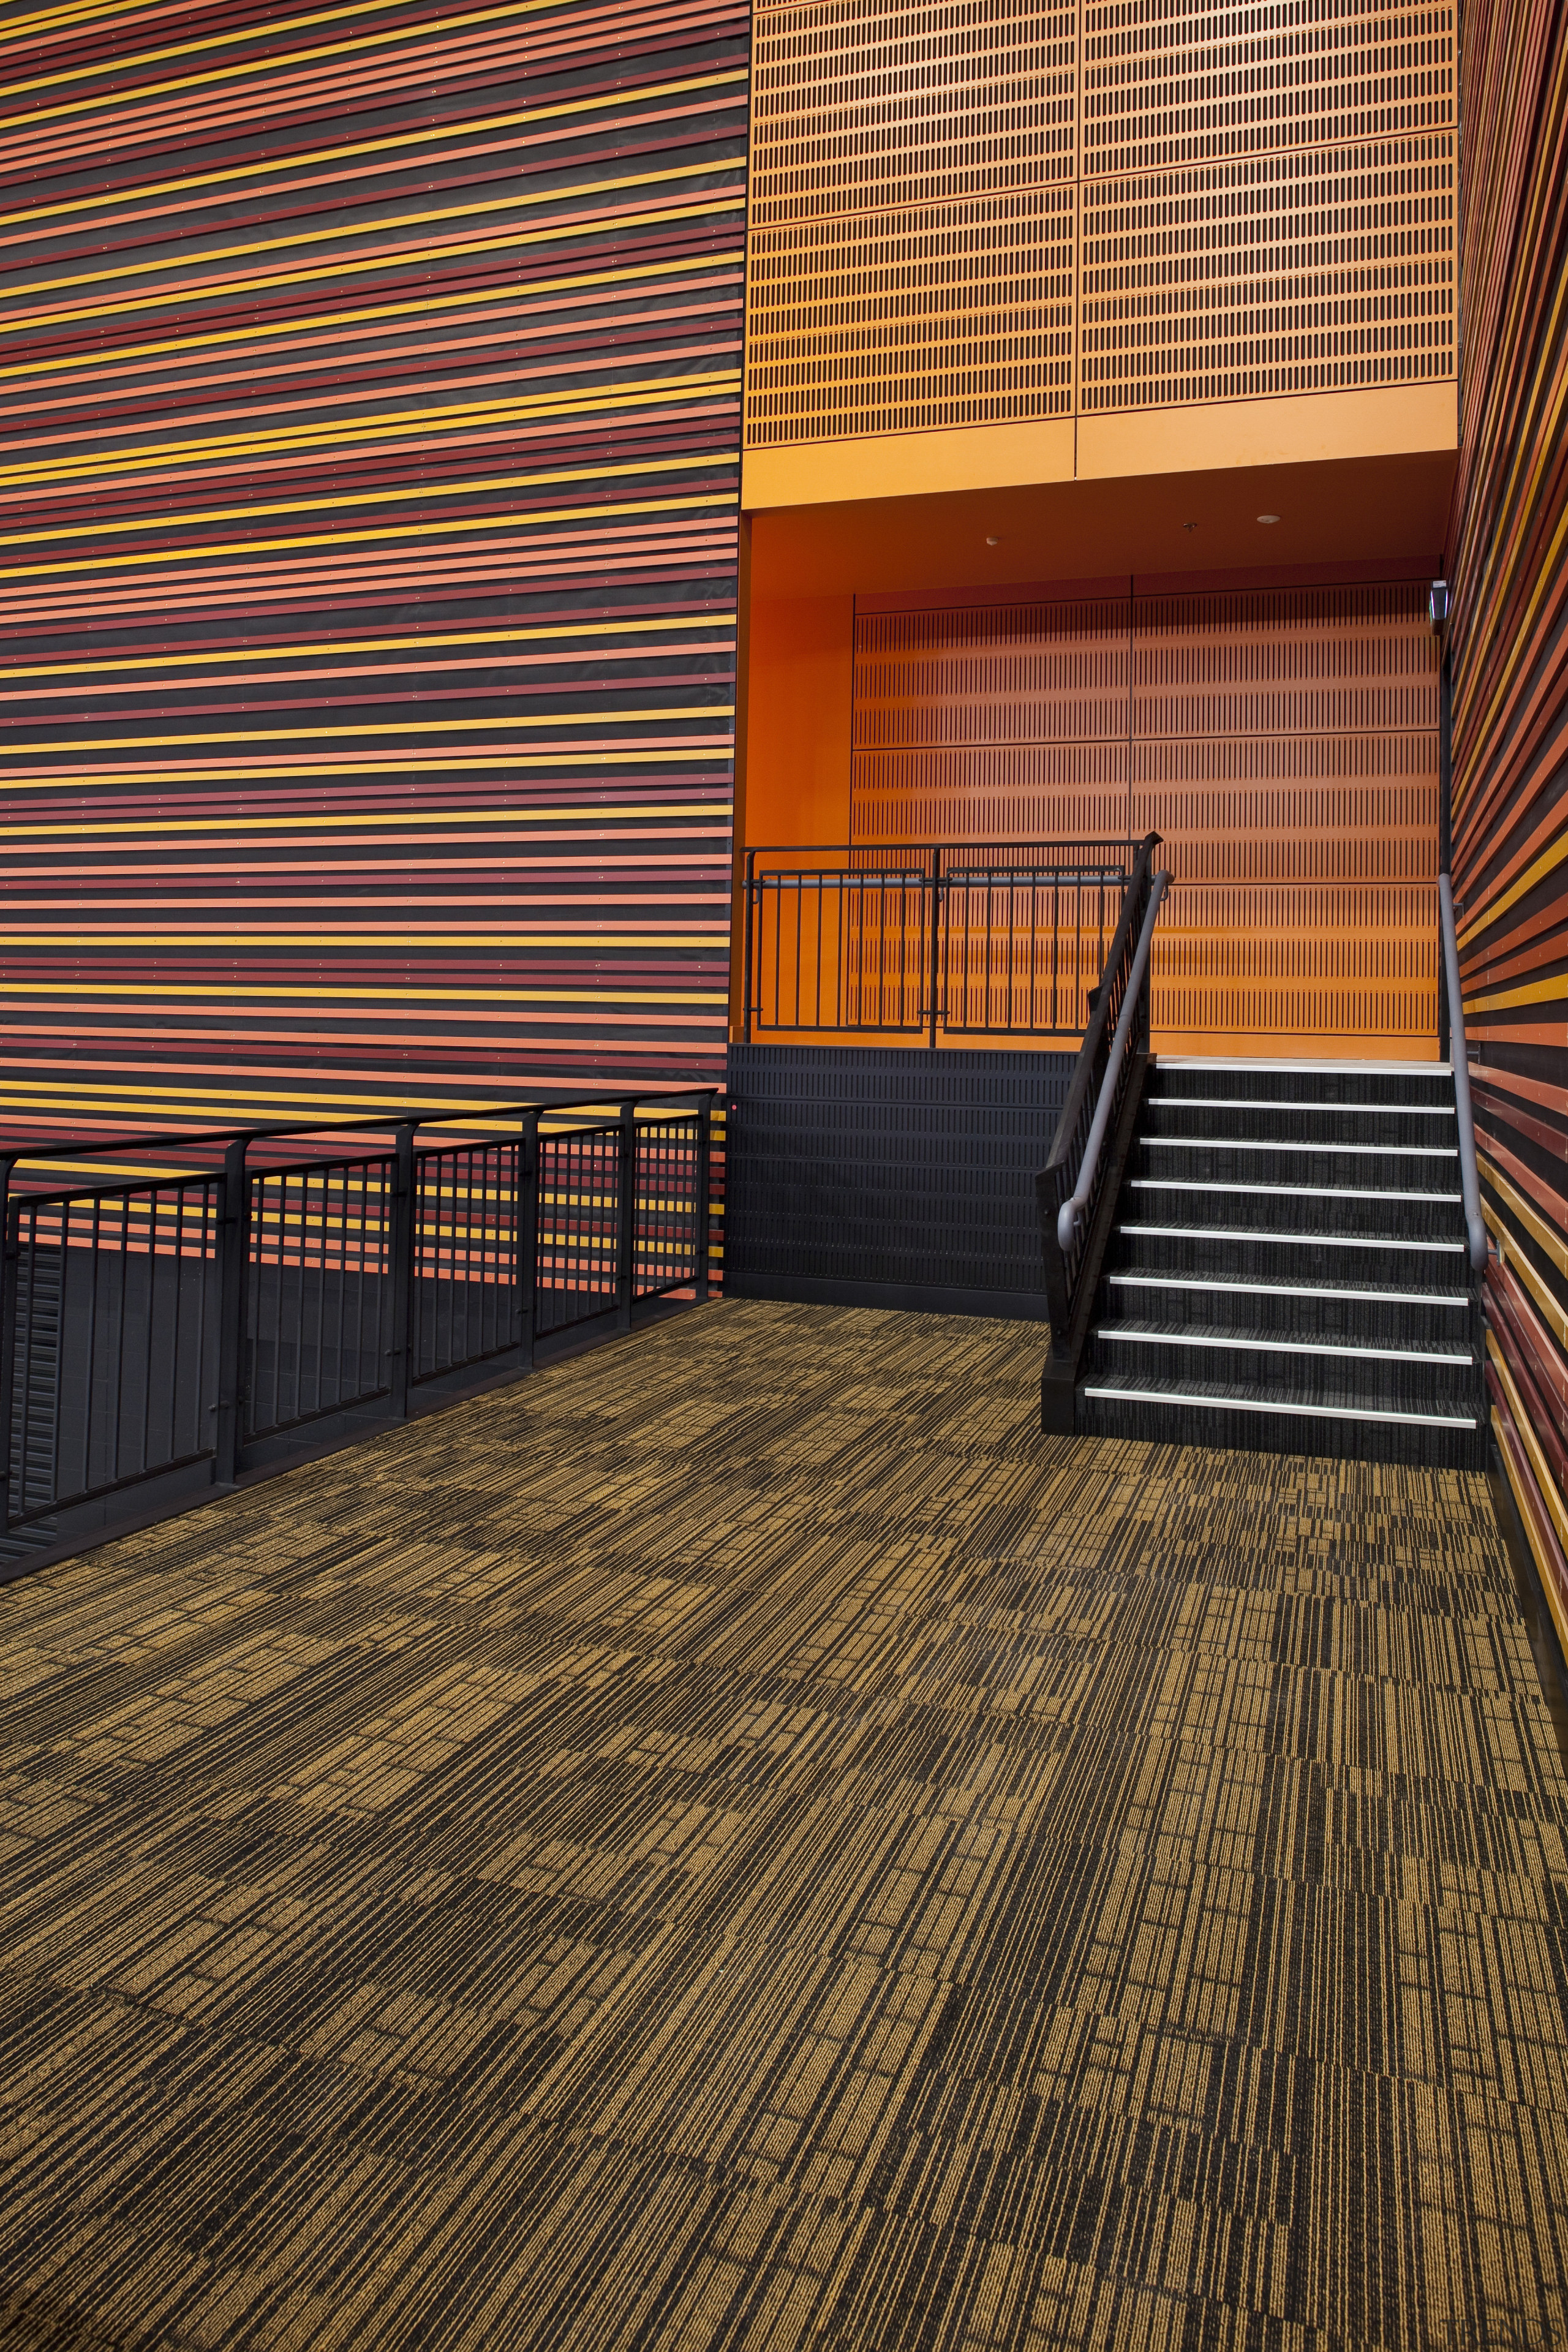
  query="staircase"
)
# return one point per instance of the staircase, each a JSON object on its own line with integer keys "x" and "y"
{"x": 1288, "y": 1270}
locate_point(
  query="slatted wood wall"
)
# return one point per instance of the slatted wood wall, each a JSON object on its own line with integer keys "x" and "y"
{"x": 1283, "y": 741}
{"x": 1510, "y": 665}
{"x": 370, "y": 384}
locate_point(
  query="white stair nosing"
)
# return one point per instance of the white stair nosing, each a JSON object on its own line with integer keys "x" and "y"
{"x": 1278, "y": 1405}
{"x": 1265, "y": 1102}
{"x": 1303, "y": 1241}
{"x": 1326, "y": 1068}
{"x": 1292, "y": 1143}
{"x": 1276, "y": 1347}
{"x": 1290, "y": 1289}
{"x": 1291, "y": 1191}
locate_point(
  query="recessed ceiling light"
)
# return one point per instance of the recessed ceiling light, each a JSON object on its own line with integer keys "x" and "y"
{"x": 990, "y": 542}
{"x": 1189, "y": 526}
{"x": 1267, "y": 518}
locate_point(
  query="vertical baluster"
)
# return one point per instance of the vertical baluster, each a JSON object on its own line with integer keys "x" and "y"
{"x": 525, "y": 1222}
{"x": 403, "y": 1247}
{"x": 625, "y": 1220}
{"x": 233, "y": 1268}
{"x": 936, "y": 939}
{"x": 704, "y": 1173}
{"x": 150, "y": 1220}
{"x": 120, "y": 1383}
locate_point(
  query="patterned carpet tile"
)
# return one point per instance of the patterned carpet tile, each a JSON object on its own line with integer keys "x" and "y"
{"x": 739, "y": 1841}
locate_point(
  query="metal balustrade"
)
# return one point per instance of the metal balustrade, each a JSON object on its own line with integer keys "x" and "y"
{"x": 279, "y": 1287}
{"x": 971, "y": 941}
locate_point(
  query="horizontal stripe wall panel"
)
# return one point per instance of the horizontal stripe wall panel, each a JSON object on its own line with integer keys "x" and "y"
{"x": 370, "y": 386}
{"x": 1509, "y": 661}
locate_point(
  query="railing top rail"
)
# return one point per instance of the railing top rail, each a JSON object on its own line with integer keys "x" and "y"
{"x": 1470, "y": 1179}
{"x": 16, "y": 1154}
{"x": 912, "y": 849}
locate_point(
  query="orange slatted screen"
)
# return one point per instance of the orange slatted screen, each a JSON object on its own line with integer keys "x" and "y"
{"x": 979, "y": 214}
{"x": 1284, "y": 743}
{"x": 913, "y": 216}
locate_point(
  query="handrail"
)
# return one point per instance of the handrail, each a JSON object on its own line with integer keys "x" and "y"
{"x": 1469, "y": 1181}
{"x": 1067, "y": 1125}
{"x": 1072, "y": 1209}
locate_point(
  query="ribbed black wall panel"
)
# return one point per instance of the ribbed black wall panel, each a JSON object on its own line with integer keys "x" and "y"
{"x": 889, "y": 1176}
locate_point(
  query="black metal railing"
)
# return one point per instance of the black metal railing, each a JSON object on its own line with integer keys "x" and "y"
{"x": 993, "y": 938}
{"x": 1469, "y": 1180}
{"x": 1058, "y": 1181}
{"x": 276, "y": 1286}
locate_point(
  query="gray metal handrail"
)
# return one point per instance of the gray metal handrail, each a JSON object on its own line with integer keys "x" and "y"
{"x": 1072, "y": 1209}
{"x": 1469, "y": 1181}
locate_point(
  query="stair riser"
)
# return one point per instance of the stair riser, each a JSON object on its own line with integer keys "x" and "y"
{"x": 1356, "y": 1441}
{"x": 1378, "y": 1381}
{"x": 1265, "y": 1260}
{"x": 1265, "y": 1211}
{"x": 1217, "y": 1163}
{"x": 1371, "y": 1322}
{"x": 1328, "y": 1085}
{"x": 1369, "y": 1128}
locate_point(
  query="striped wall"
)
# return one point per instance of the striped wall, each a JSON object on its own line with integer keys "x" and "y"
{"x": 1509, "y": 664}
{"x": 370, "y": 379}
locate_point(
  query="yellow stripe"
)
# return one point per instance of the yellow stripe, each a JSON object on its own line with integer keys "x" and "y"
{"x": 1544, "y": 864}
{"x": 305, "y": 648}
{"x": 287, "y": 173}
{"x": 284, "y": 332}
{"x": 1543, "y": 1569}
{"x": 381, "y": 727}
{"x": 1549, "y": 1494}
{"x": 393, "y": 533}
{"x": 1517, "y": 1262}
{"x": 299, "y": 240}
{"x": 1536, "y": 992}
{"x": 288, "y": 29}
{"x": 389, "y": 422}
{"x": 424, "y": 492}
{"x": 342, "y": 266}
{"x": 412, "y": 1000}
{"x": 396, "y": 821}
{"x": 1534, "y": 1225}
{"x": 603, "y": 941}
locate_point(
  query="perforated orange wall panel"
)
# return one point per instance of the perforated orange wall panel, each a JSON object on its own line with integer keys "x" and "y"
{"x": 978, "y": 213}
{"x": 1283, "y": 743}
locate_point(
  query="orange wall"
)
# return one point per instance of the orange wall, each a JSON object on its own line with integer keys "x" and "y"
{"x": 799, "y": 701}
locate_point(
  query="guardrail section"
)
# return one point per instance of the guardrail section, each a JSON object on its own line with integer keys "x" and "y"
{"x": 295, "y": 1285}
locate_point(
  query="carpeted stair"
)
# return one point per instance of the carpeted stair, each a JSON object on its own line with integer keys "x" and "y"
{"x": 1288, "y": 1268}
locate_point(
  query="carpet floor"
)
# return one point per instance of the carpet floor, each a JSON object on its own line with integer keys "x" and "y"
{"x": 739, "y": 1841}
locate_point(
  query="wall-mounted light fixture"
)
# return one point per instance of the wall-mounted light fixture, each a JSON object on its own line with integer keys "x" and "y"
{"x": 1438, "y": 606}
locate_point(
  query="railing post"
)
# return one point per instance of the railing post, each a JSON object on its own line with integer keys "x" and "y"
{"x": 404, "y": 1252}
{"x": 935, "y": 938}
{"x": 232, "y": 1265}
{"x": 704, "y": 1174}
{"x": 526, "y": 1229}
{"x": 626, "y": 1218}
{"x": 746, "y": 950}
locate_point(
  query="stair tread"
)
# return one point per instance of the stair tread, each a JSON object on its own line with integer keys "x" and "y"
{"x": 1219, "y": 1335}
{"x": 1254, "y": 1397}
